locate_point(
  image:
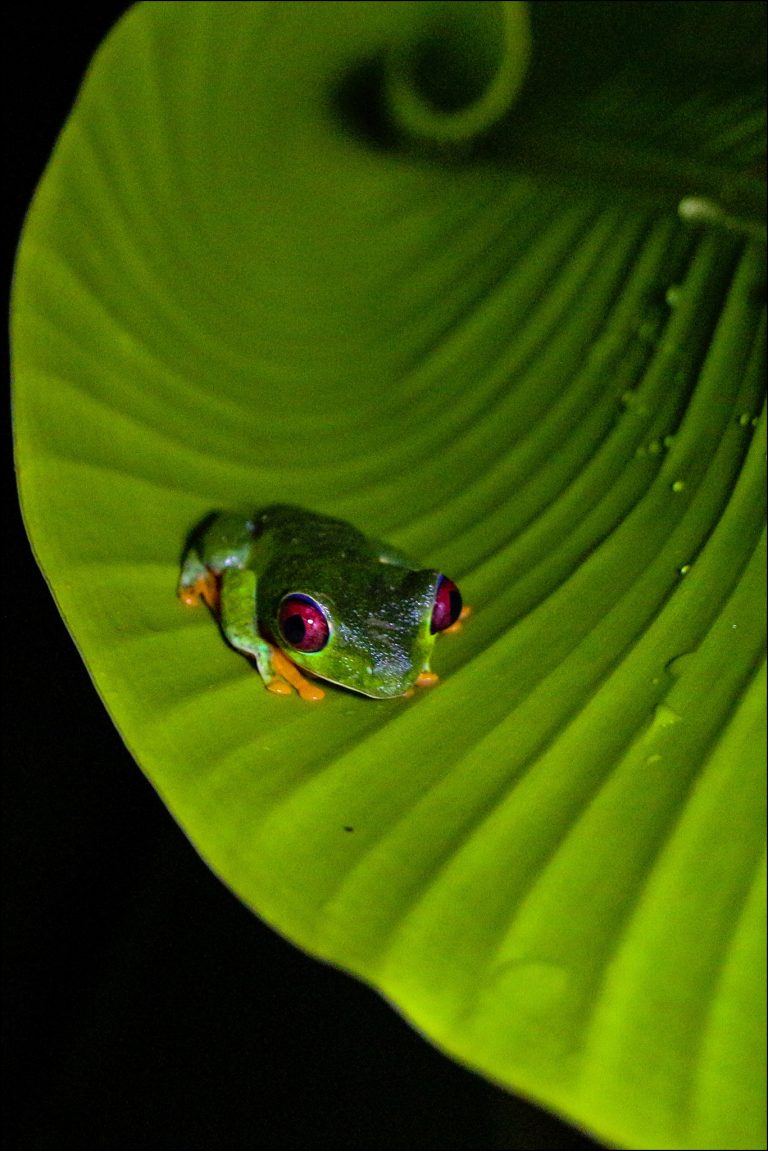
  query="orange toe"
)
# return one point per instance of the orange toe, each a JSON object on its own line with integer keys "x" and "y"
{"x": 205, "y": 587}
{"x": 279, "y": 687}
{"x": 465, "y": 612}
{"x": 305, "y": 687}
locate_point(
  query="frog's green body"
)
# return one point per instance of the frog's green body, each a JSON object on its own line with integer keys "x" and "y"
{"x": 375, "y": 613}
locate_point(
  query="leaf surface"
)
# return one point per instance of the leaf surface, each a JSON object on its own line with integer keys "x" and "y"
{"x": 266, "y": 264}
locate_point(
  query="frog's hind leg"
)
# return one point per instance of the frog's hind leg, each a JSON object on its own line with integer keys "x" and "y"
{"x": 198, "y": 582}
{"x": 220, "y": 541}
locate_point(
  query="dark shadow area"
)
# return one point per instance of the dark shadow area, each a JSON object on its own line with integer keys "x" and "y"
{"x": 360, "y": 106}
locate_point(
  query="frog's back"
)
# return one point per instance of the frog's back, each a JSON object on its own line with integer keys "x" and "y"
{"x": 308, "y": 534}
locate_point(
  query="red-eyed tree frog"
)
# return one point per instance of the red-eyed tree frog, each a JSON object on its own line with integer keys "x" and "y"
{"x": 296, "y": 590}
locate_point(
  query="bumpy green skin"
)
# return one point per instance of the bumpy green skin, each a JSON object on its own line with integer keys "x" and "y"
{"x": 380, "y": 609}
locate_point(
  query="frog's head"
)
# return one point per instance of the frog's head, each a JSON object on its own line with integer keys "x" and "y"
{"x": 373, "y": 633}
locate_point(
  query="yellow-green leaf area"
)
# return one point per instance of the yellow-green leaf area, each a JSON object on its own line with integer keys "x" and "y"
{"x": 421, "y": 266}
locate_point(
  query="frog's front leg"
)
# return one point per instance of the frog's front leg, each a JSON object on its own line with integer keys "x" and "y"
{"x": 237, "y": 616}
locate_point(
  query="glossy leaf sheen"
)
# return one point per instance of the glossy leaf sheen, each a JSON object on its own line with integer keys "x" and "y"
{"x": 226, "y": 294}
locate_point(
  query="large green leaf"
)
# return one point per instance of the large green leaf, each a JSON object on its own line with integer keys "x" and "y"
{"x": 265, "y": 264}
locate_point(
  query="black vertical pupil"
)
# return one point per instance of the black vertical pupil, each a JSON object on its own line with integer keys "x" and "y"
{"x": 455, "y": 604}
{"x": 294, "y": 629}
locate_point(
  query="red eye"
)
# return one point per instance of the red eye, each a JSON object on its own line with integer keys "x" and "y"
{"x": 447, "y": 607}
{"x": 303, "y": 623}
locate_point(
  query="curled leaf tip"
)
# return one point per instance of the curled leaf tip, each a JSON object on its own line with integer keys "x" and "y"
{"x": 460, "y": 71}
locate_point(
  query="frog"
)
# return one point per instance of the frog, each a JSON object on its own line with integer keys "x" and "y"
{"x": 310, "y": 598}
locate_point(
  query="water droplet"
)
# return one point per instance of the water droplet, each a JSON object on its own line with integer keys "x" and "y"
{"x": 654, "y": 448}
{"x": 668, "y": 441}
{"x": 699, "y": 210}
{"x": 672, "y": 296}
{"x": 745, "y": 419}
{"x": 678, "y": 486}
{"x": 653, "y": 759}
{"x": 663, "y": 717}
{"x": 684, "y": 569}
{"x": 633, "y": 402}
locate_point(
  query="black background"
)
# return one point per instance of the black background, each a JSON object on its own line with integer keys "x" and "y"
{"x": 143, "y": 1006}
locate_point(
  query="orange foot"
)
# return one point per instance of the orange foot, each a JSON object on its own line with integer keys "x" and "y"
{"x": 423, "y": 679}
{"x": 466, "y": 611}
{"x": 290, "y": 673}
{"x": 205, "y": 587}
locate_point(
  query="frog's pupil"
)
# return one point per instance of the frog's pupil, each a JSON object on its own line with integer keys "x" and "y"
{"x": 293, "y": 629}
